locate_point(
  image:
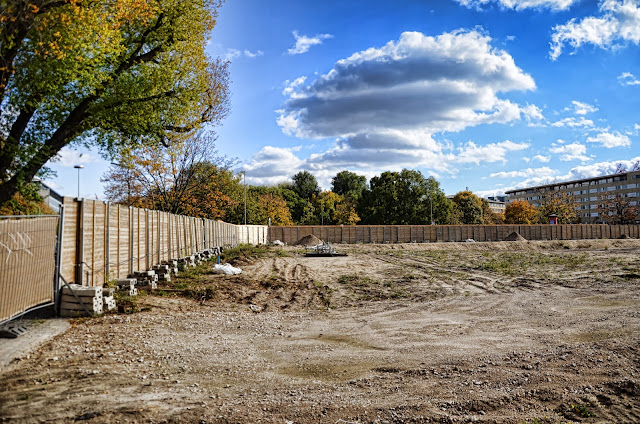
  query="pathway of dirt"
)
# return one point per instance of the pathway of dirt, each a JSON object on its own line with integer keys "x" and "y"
{"x": 477, "y": 332}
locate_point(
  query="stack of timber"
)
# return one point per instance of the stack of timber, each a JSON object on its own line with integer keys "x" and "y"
{"x": 80, "y": 301}
{"x": 146, "y": 279}
{"x": 163, "y": 272}
{"x": 128, "y": 285}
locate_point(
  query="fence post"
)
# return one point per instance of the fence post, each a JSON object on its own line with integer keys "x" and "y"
{"x": 80, "y": 243}
{"x": 56, "y": 276}
{"x": 107, "y": 245}
{"x": 130, "y": 240}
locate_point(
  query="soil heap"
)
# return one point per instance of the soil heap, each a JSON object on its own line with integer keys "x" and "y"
{"x": 515, "y": 236}
{"x": 308, "y": 241}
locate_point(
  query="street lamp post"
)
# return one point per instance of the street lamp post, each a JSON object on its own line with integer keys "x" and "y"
{"x": 244, "y": 177}
{"x": 78, "y": 167}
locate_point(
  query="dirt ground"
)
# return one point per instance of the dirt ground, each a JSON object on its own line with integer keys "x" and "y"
{"x": 513, "y": 332}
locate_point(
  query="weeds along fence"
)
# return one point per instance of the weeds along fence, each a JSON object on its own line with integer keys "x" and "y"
{"x": 102, "y": 240}
{"x": 27, "y": 263}
{"x": 449, "y": 233}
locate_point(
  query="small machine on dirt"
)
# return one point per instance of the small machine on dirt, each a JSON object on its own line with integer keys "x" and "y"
{"x": 324, "y": 249}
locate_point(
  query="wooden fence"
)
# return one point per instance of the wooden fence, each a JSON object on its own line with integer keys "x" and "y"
{"x": 102, "y": 240}
{"x": 444, "y": 233}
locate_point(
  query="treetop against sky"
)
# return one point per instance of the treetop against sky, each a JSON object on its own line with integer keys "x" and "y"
{"x": 486, "y": 94}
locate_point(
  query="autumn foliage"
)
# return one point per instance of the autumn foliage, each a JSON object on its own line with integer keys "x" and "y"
{"x": 520, "y": 212}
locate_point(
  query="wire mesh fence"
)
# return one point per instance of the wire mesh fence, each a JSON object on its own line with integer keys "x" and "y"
{"x": 27, "y": 263}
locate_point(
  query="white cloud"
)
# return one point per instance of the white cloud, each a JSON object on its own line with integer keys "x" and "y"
{"x": 543, "y": 159}
{"x": 627, "y": 78}
{"x": 583, "y": 108}
{"x": 383, "y": 106}
{"x": 569, "y": 152}
{"x": 272, "y": 165}
{"x": 494, "y": 152}
{"x": 69, "y": 158}
{"x": 573, "y": 122}
{"x": 548, "y": 176}
{"x": 304, "y": 43}
{"x": 597, "y": 169}
{"x": 290, "y": 86}
{"x": 232, "y": 54}
{"x": 520, "y": 4}
{"x": 533, "y": 115}
{"x": 544, "y": 172}
{"x": 611, "y": 140}
{"x": 619, "y": 24}
{"x": 443, "y": 83}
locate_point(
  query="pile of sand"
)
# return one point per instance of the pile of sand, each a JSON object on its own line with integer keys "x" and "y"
{"x": 308, "y": 241}
{"x": 515, "y": 236}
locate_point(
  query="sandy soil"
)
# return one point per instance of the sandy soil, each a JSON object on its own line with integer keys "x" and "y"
{"x": 520, "y": 332}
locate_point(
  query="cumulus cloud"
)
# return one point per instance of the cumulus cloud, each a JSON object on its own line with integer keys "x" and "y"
{"x": 544, "y": 172}
{"x": 232, "y": 54}
{"x": 618, "y": 24}
{"x": 569, "y": 152}
{"x": 68, "y": 157}
{"x": 573, "y": 122}
{"x": 533, "y": 115}
{"x": 520, "y": 4}
{"x": 580, "y": 108}
{"x": 597, "y": 169}
{"x": 543, "y": 159}
{"x": 384, "y": 106}
{"x": 610, "y": 140}
{"x": 304, "y": 43}
{"x": 272, "y": 165}
{"x": 627, "y": 78}
{"x": 443, "y": 83}
{"x": 542, "y": 176}
{"x": 494, "y": 152}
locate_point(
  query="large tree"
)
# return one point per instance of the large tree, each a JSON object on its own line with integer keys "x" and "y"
{"x": 520, "y": 212}
{"x": 558, "y": 203}
{"x": 617, "y": 209}
{"x": 305, "y": 185}
{"x": 185, "y": 177}
{"x": 108, "y": 73}
{"x": 404, "y": 197}
{"x": 467, "y": 208}
{"x": 349, "y": 184}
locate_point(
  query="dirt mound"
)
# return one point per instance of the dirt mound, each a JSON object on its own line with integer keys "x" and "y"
{"x": 515, "y": 236}
{"x": 308, "y": 241}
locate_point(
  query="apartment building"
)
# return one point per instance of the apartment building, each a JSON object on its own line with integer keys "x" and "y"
{"x": 587, "y": 192}
{"x": 497, "y": 204}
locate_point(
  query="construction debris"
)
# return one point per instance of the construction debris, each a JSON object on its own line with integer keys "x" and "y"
{"x": 309, "y": 241}
{"x": 515, "y": 236}
{"x": 128, "y": 285}
{"x": 227, "y": 269}
{"x": 80, "y": 301}
{"x": 146, "y": 279}
{"x": 323, "y": 249}
{"x": 12, "y": 330}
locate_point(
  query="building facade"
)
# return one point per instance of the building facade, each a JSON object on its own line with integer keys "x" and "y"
{"x": 587, "y": 193}
{"x": 497, "y": 204}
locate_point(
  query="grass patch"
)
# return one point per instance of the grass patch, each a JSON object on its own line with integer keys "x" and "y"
{"x": 248, "y": 252}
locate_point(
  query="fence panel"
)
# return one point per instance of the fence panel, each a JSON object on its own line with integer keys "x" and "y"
{"x": 27, "y": 247}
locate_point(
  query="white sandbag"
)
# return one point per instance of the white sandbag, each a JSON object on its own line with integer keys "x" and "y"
{"x": 226, "y": 269}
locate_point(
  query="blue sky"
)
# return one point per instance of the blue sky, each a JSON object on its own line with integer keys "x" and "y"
{"x": 485, "y": 94}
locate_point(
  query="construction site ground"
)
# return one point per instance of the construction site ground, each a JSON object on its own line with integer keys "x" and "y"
{"x": 507, "y": 332}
